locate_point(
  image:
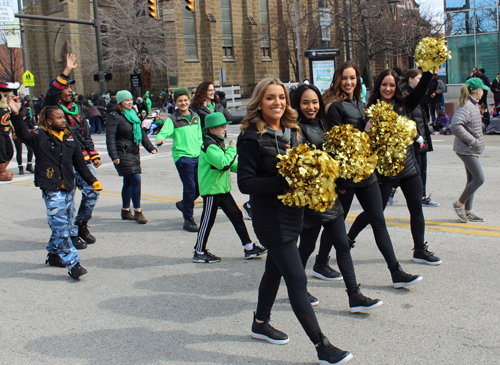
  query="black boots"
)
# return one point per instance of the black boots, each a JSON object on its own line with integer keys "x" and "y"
{"x": 83, "y": 232}
{"x": 77, "y": 271}
{"x": 21, "y": 170}
{"x": 78, "y": 243}
{"x": 29, "y": 168}
{"x": 54, "y": 260}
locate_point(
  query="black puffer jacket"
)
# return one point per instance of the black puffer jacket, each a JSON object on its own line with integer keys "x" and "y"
{"x": 406, "y": 108}
{"x": 349, "y": 111}
{"x": 274, "y": 223}
{"x": 313, "y": 131}
{"x": 422, "y": 127}
{"x": 203, "y": 111}
{"x": 121, "y": 145}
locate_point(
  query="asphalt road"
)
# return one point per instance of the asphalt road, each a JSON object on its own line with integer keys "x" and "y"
{"x": 144, "y": 301}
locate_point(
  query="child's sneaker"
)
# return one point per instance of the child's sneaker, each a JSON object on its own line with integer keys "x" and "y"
{"x": 256, "y": 251}
{"x": 264, "y": 331}
{"x": 331, "y": 355}
{"x": 205, "y": 257}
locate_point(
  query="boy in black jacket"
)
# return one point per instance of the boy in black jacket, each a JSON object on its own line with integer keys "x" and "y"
{"x": 57, "y": 154}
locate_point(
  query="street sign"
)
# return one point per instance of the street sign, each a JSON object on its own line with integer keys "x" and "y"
{"x": 6, "y": 14}
{"x": 28, "y": 79}
{"x": 135, "y": 80}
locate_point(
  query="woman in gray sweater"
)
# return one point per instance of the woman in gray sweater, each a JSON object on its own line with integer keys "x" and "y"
{"x": 469, "y": 145}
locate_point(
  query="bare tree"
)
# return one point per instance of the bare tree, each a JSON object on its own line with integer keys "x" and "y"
{"x": 11, "y": 61}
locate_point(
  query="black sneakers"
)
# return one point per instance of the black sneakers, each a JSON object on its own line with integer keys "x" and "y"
{"x": 247, "y": 209}
{"x": 84, "y": 233}
{"x": 190, "y": 225}
{"x": 359, "y": 303}
{"x": 256, "y": 251}
{"x": 77, "y": 271}
{"x": 179, "y": 205}
{"x": 331, "y": 355}
{"x": 424, "y": 256}
{"x": 78, "y": 243}
{"x": 29, "y": 168}
{"x": 264, "y": 331}
{"x": 322, "y": 271}
{"x": 401, "y": 279}
{"x": 54, "y": 260}
{"x": 205, "y": 257}
{"x": 314, "y": 301}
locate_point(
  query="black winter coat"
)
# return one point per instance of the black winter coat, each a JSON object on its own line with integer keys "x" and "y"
{"x": 54, "y": 158}
{"x": 313, "y": 131}
{"x": 349, "y": 111}
{"x": 495, "y": 85}
{"x": 422, "y": 127}
{"x": 121, "y": 145}
{"x": 203, "y": 111}
{"x": 274, "y": 223}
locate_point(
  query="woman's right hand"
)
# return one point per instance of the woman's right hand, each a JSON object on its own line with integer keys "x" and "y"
{"x": 368, "y": 126}
{"x": 117, "y": 161}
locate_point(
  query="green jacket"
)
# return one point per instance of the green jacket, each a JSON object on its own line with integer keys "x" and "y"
{"x": 148, "y": 103}
{"x": 186, "y": 135}
{"x": 215, "y": 166}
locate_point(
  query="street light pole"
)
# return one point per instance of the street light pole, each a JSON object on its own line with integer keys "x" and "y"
{"x": 23, "y": 39}
{"x": 100, "y": 61}
{"x": 297, "y": 36}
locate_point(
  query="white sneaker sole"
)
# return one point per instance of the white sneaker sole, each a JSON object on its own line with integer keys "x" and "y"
{"x": 322, "y": 277}
{"x": 422, "y": 261}
{"x": 246, "y": 213}
{"x": 366, "y": 309}
{"x": 258, "y": 336}
{"x": 343, "y": 361}
{"x": 405, "y": 285}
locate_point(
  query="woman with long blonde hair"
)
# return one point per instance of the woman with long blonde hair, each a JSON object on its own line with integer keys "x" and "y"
{"x": 268, "y": 129}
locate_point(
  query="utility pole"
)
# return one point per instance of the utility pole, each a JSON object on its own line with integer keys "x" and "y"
{"x": 97, "y": 26}
{"x": 23, "y": 39}
{"x": 297, "y": 36}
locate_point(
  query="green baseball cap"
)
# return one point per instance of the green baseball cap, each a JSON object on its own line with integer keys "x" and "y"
{"x": 214, "y": 120}
{"x": 475, "y": 83}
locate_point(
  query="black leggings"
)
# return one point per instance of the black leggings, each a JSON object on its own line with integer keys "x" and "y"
{"x": 19, "y": 152}
{"x": 411, "y": 188}
{"x": 422, "y": 163}
{"x": 334, "y": 232}
{"x": 371, "y": 201}
{"x": 285, "y": 261}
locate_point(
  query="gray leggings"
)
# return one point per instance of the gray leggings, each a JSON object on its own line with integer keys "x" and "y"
{"x": 475, "y": 178}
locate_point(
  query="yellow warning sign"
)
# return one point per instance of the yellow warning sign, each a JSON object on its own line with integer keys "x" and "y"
{"x": 28, "y": 79}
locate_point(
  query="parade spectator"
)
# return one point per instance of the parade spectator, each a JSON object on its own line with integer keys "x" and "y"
{"x": 140, "y": 105}
{"x": 223, "y": 100}
{"x": 469, "y": 145}
{"x": 6, "y": 149}
{"x": 57, "y": 157}
{"x": 268, "y": 129}
{"x": 473, "y": 73}
{"x": 112, "y": 105}
{"x": 124, "y": 137}
{"x": 486, "y": 82}
{"x": 292, "y": 91}
{"x": 142, "y": 115}
{"x": 60, "y": 94}
{"x": 495, "y": 89}
{"x": 363, "y": 90}
{"x": 156, "y": 125}
{"x": 441, "y": 123}
{"x": 205, "y": 101}
{"x": 95, "y": 118}
{"x": 485, "y": 116}
{"x": 184, "y": 128}
{"x": 147, "y": 100}
{"x": 432, "y": 99}
{"x": 214, "y": 177}
{"x": 24, "y": 112}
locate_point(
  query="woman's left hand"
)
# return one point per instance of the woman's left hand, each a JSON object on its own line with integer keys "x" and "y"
{"x": 368, "y": 126}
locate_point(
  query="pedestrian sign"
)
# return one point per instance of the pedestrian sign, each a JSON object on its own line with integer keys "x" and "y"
{"x": 28, "y": 79}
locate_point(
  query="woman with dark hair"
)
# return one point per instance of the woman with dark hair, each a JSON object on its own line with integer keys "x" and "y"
{"x": 268, "y": 129}
{"x": 410, "y": 81}
{"x": 205, "y": 101}
{"x": 308, "y": 103}
{"x": 28, "y": 120}
{"x": 387, "y": 89}
{"x": 347, "y": 108}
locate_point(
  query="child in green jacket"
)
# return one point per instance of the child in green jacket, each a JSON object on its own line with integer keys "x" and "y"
{"x": 215, "y": 166}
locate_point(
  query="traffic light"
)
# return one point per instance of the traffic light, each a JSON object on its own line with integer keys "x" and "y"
{"x": 190, "y": 5}
{"x": 153, "y": 8}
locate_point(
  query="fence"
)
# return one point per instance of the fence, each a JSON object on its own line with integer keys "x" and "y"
{"x": 230, "y": 94}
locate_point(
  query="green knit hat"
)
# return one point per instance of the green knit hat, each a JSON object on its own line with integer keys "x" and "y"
{"x": 214, "y": 120}
{"x": 180, "y": 92}
{"x": 122, "y": 95}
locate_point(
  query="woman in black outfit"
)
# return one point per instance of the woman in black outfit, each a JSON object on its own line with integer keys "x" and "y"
{"x": 347, "y": 108}
{"x": 387, "y": 89}
{"x": 205, "y": 101}
{"x": 19, "y": 145}
{"x": 268, "y": 129}
{"x": 124, "y": 137}
{"x": 308, "y": 103}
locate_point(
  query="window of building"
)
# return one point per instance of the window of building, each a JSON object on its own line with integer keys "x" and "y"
{"x": 227, "y": 29}
{"x": 265, "y": 43}
{"x": 190, "y": 46}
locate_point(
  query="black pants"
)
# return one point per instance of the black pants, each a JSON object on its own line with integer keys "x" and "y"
{"x": 411, "y": 188}
{"x": 334, "y": 233}
{"x": 285, "y": 261}
{"x": 422, "y": 163}
{"x": 211, "y": 205}
{"x": 19, "y": 152}
{"x": 371, "y": 201}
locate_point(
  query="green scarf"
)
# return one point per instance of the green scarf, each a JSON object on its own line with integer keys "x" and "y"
{"x": 132, "y": 117}
{"x": 75, "y": 112}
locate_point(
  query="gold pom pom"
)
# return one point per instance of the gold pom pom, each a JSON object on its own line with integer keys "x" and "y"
{"x": 431, "y": 53}
{"x": 390, "y": 136}
{"x": 312, "y": 174}
{"x": 352, "y": 149}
